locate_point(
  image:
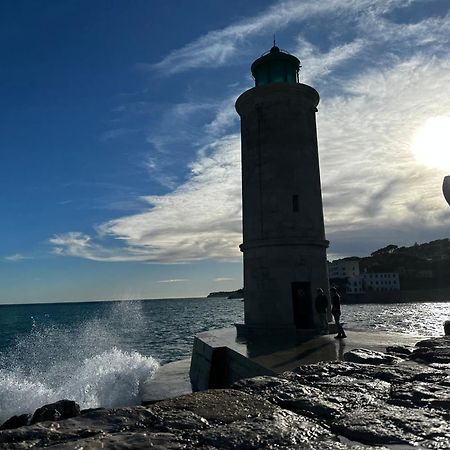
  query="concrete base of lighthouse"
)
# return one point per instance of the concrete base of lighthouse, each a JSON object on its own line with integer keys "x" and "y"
{"x": 281, "y": 277}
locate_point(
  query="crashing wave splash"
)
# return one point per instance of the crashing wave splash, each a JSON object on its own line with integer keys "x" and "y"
{"x": 110, "y": 379}
{"x": 83, "y": 364}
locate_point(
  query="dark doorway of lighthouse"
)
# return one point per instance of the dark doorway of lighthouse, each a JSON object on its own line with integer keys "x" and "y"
{"x": 302, "y": 305}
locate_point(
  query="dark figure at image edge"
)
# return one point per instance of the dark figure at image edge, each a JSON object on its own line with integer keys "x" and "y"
{"x": 447, "y": 327}
{"x": 321, "y": 308}
{"x": 336, "y": 312}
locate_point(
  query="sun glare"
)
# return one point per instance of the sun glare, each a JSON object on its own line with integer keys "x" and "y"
{"x": 431, "y": 144}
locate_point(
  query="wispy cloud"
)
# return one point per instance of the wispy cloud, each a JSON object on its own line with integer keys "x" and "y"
{"x": 177, "y": 127}
{"x": 81, "y": 245}
{"x": 187, "y": 116}
{"x": 156, "y": 168}
{"x": 221, "y": 279}
{"x": 118, "y": 132}
{"x": 175, "y": 280}
{"x": 17, "y": 257}
{"x": 319, "y": 65}
{"x": 201, "y": 219}
{"x": 217, "y": 47}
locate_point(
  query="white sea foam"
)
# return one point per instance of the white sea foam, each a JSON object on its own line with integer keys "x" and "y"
{"x": 82, "y": 363}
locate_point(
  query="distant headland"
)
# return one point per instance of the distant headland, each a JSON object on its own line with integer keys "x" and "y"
{"x": 239, "y": 293}
{"x": 421, "y": 266}
{"x": 394, "y": 274}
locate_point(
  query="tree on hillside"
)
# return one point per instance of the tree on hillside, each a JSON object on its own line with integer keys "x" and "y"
{"x": 385, "y": 250}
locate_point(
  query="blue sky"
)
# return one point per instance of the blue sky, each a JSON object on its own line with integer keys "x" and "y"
{"x": 120, "y": 164}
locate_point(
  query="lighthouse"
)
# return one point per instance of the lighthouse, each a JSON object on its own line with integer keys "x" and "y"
{"x": 284, "y": 245}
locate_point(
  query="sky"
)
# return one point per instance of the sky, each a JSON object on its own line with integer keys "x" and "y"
{"x": 120, "y": 148}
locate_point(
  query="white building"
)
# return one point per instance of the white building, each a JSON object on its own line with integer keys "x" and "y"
{"x": 358, "y": 283}
{"x": 378, "y": 282}
{"x": 343, "y": 268}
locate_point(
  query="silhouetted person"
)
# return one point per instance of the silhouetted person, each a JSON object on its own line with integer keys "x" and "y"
{"x": 336, "y": 311}
{"x": 321, "y": 308}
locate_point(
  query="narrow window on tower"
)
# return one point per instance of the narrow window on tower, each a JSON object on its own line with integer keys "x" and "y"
{"x": 295, "y": 203}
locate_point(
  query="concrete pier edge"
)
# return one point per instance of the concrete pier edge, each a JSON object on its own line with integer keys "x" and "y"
{"x": 220, "y": 357}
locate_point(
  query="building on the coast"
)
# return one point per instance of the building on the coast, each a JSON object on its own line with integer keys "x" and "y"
{"x": 284, "y": 243}
{"x": 346, "y": 274}
{"x": 379, "y": 282}
{"x": 343, "y": 268}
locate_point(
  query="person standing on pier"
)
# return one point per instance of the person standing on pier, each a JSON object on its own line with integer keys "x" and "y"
{"x": 336, "y": 311}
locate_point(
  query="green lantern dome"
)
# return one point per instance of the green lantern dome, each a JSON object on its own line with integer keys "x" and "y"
{"x": 275, "y": 66}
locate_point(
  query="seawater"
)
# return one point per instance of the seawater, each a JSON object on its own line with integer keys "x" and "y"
{"x": 99, "y": 353}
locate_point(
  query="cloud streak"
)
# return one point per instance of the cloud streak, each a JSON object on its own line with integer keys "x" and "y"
{"x": 17, "y": 257}
{"x": 174, "y": 280}
{"x": 218, "y": 47}
{"x": 81, "y": 245}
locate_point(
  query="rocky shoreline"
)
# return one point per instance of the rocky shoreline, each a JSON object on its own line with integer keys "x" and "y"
{"x": 397, "y": 399}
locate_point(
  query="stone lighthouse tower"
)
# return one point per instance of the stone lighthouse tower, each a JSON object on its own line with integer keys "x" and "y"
{"x": 284, "y": 241}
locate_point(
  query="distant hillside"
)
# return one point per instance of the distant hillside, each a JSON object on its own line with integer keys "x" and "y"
{"x": 239, "y": 293}
{"x": 420, "y": 266}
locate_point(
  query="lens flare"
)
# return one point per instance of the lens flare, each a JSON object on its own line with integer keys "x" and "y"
{"x": 431, "y": 143}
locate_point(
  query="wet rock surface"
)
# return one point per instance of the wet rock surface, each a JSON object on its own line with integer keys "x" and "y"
{"x": 436, "y": 351}
{"x": 63, "y": 409}
{"x": 401, "y": 351}
{"x": 363, "y": 356}
{"x": 16, "y": 422}
{"x": 397, "y": 403}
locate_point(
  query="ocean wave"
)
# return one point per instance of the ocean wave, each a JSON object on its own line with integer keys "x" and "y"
{"x": 112, "y": 378}
{"x": 80, "y": 361}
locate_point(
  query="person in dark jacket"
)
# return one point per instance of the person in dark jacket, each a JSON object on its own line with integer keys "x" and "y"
{"x": 336, "y": 311}
{"x": 321, "y": 308}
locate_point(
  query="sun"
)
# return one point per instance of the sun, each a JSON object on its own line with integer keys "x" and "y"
{"x": 431, "y": 143}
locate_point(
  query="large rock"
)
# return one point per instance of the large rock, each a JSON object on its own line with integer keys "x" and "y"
{"x": 63, "y": 409}
{"x": 402, "y": 351}
{"x": 364, "y": 356}
{"x": 16, "y": 422}
{"x": 322, "y": 399}
{"x": 432, "y": 351}
{"x": 218, "y": 419}
{"x": 388, "y": 424}
{"x": 239, "y": 420}
{"x": 421, "y": 394}
{"x": 296, "y": 397}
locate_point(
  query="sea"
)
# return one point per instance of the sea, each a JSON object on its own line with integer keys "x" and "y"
{"x": 99, "y": 353}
